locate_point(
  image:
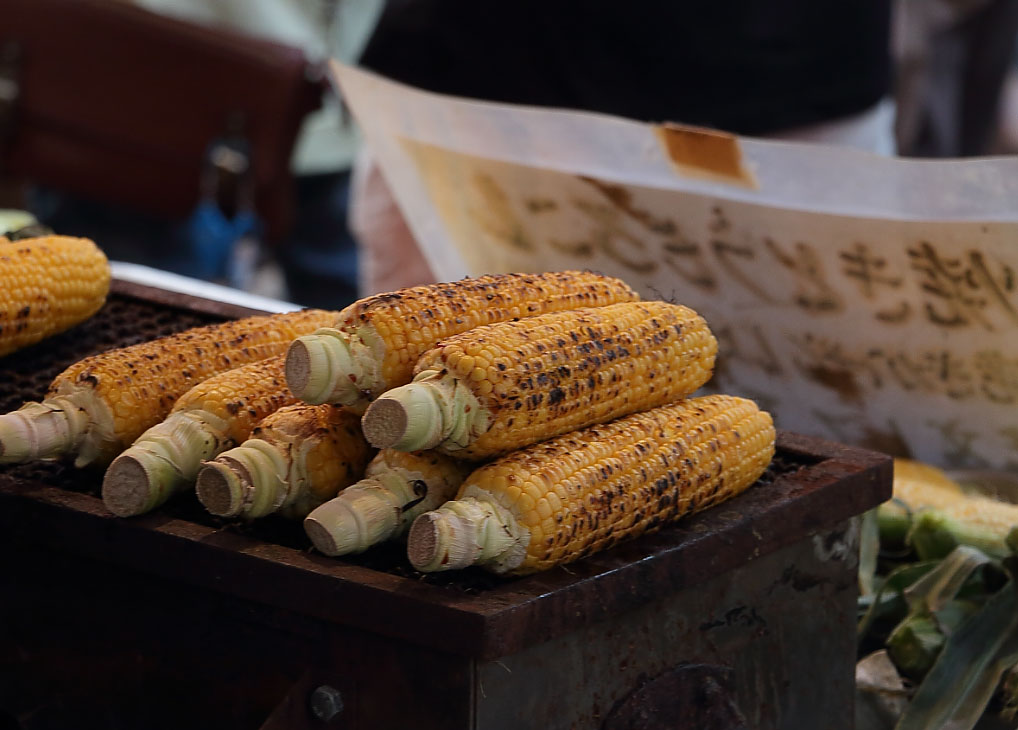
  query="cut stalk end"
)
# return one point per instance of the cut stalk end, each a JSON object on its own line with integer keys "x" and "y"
{"x": 250, "y": 480}
{"x": 221, "y": 488}
{"x": 430, "y": 542}
{"x": 362, "y": 515}
{"x": 412, "y": 417}
{"x": 329, "y": 367}
{"x": 467, "y": 531}
{"x": 127, "y": 489}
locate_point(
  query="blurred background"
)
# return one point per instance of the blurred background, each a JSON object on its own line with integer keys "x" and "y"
{"x": 202, "y": 137}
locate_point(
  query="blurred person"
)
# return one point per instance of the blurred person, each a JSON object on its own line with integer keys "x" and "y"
{"x": 953, "y": 57}
{"x": 788, "y": 69}
{"x": 319, "y": 256}
{"x": 317, "y": 259}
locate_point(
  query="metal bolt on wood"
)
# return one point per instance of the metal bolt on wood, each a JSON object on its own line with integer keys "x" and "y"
{"x": 326, "y": 703}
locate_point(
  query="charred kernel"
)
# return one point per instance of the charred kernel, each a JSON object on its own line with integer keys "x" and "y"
{"x": 587, "y": 489}
{"x": 139, "y": 369}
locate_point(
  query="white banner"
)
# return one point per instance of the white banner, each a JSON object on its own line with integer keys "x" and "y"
{"x": 865, "y": 299}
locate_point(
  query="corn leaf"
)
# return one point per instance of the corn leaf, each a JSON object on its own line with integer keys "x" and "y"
{"x": 961, "y": 682}
{"x": 940, "y": 585}
{"x": 888, "y": 599}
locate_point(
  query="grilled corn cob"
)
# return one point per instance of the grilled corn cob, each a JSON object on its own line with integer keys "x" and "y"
{"x": 397, "y": 487}
{"x": 210, "y": 418}
{"x": 563, "y": 499}
{"x": 48, "y": 285}
{"x": 504, "y": 386}
{"x": 375, "y": 341}
{"x": 296, "y": 459}
{"x": 97, "y": 407}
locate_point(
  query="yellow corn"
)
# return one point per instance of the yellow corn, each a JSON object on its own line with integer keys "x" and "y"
{"x": 397, "y": 487}
{"x": 210, "y": 418}
{"x": 563, "y": 499}
{"x": 376, "y": 341}
{"x": 97, "y": 407}
{"x": 504, "y": 386}
{"x": 296, "y": 458}
{"x": 48, "y": 285}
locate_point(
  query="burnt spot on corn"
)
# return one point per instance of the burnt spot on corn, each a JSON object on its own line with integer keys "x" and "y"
{"x": 415, "y": 319}
{"x": 633, "y": 475}
{"x": 141, "y": 383}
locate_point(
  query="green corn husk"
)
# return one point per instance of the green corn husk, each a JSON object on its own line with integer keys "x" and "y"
{"x": 888, "y": 603}
{"x": 894, "y": 520}
{"x": 916, "y": 642}
{"x": 957, "y": 689}
{"x": 1012, "y": 540}
{"x": 914, "y": 645}
{"x": 934, "y": 535}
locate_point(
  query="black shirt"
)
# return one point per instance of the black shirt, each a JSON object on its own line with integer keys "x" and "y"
{"x": 745, "y": 67}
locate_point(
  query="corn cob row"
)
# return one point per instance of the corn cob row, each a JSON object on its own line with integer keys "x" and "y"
{"x": 100, "y": 405}
{"x": 504, "y": 386}
{"x": 211, "y": 417}
{"x": 376, "y": 341}
{"x": 296, "y": 458}
{"x": 560, "y": 500}
{"x": 48, "y": 285}
{"x": 397, "y": 487}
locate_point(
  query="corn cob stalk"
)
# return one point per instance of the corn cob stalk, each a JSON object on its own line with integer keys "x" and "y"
{"x": 504, "y": 386}
{"x": 916, "y": 486}
{"x": 376, "y": 341}
{"x": 213, "y": 416}
{"x": 297, "y": 458}
{"x": 938, "y": 514}
{"x": 561, "y": 500}
{"x": 12, "y": 219}
{"x": 100, "y": 405}
{"x": 397, "y": 487}
{"x": 48, "y": 285}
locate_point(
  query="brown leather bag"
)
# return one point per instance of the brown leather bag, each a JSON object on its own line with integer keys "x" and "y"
{"x": 120, "y": 105}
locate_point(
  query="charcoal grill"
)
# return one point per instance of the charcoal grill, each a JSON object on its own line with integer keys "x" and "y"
{"x": 741, "y": 617}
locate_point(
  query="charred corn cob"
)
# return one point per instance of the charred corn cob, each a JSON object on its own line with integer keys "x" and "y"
{"x": 296, "y": 458}
{"x": 100, "y": 405}
{"x": 48, "y": 285}
{"x": 563, "y": 499}
{"x": 504, "y": 386}
{"x": 210, "y": 418}
{"x": 376, "y": 341}
{"x": 397, "y": 487}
